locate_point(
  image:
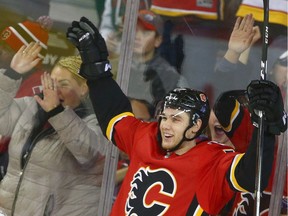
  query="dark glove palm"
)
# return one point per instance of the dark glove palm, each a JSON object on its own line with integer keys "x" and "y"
{"x": 86, "y": 37}
{"x": 265, "y": 96}
{"x": 91, "y": 46}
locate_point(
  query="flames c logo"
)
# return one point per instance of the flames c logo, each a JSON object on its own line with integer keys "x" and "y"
{"x": 148, "y": 190}
{"x": 245, "y": 206}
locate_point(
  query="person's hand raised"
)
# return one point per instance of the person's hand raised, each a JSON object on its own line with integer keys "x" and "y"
{"x": 26, "y": 58}
{"x": 50, "y": 95}
{"x": 257, "y": 34}
{"x": 242, "y": 35}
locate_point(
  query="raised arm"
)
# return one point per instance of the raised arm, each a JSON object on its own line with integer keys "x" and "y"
{"x": 25, "y": 59}
{"x": 265, "y": 96}
{"x": 243, "y": 36}
{"x": 234, "y": 68}
{"x": 109, "y": 102}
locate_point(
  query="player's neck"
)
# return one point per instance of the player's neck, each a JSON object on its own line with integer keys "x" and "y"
{"x": 185, "y": 147}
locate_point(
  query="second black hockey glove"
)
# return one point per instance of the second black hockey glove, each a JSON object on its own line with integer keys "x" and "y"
{"x": 266, "y": 96}
{"x": 92, "y": 49}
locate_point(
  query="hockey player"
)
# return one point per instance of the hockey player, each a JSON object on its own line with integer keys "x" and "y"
{"x": 232, "y": 114}
{"x": 168, "y": 173}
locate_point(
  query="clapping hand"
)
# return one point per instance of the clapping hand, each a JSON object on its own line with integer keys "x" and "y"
{"x": 50, "y": 95}
{"x": 26, "y": 58}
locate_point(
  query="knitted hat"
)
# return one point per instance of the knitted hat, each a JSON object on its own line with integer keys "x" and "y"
{"x": 150, "y": 20}
{"x": 26, "y": 32}
{"x": 72, "y": 64}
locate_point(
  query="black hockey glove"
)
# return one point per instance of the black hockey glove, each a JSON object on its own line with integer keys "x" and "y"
{"x": 266, "y": 96}
{"x": 92, "y": 49}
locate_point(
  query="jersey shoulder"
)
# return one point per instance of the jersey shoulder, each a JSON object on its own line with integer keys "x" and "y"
{"x": 216, "y": 146}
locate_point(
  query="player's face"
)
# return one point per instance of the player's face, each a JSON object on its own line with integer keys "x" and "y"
{"x": 216, "y": 131}
{"x": 172, "y": 126}
{"x": 69, "y": 90}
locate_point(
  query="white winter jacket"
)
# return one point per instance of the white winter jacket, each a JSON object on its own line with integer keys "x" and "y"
{"x": 63, "y": 170}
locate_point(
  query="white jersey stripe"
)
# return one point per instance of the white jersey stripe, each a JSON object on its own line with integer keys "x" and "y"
{"x": 183, "y": 11}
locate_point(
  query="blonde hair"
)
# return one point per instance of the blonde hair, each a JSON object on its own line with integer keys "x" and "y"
{"x": 72, "y": 64}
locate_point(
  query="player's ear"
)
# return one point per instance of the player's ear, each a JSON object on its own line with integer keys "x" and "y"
{"x": 190, "y": 133}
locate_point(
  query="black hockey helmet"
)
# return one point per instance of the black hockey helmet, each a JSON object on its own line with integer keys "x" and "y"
{"x": 190, "y": 100}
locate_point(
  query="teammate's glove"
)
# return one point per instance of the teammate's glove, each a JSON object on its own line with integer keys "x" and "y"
{"x": 266, "y": 97}
{"x": 234, "y": 117}
{"x": 92, "y": 49}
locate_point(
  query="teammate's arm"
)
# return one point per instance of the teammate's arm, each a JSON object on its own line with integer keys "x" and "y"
{"x": 265, "y": 96}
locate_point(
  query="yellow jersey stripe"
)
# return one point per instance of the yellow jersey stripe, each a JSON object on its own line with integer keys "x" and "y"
{"x": 198, "y": 211}
{"x": 180, "y": 12}
{"x": 277, "y": 17}
{"x": 233, "y": 116}
{"x": 114, "y": 120}
{"x": 232, "y": 173}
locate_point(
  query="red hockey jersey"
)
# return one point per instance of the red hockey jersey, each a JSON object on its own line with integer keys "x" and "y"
{"x": 277, "y": 10}
{"x": 244, "y": 202}
{"x": 195, "y": 180}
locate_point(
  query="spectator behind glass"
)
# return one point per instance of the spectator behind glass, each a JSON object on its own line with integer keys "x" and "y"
{"x": 277, "y": 64}
{"x": 216, "y": 132}
{"x": 151, "y": 76}
{"x": 111, "y": 27}
{"x": 142, "y": 109}
{"x": 235, "y": 67}
{"x": 112, "y": 17}
{"x": 12, "y": 38}
{"x": 56, "y": 149}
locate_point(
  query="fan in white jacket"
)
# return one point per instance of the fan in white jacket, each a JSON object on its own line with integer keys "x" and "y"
{"x": 56, "y": 152}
